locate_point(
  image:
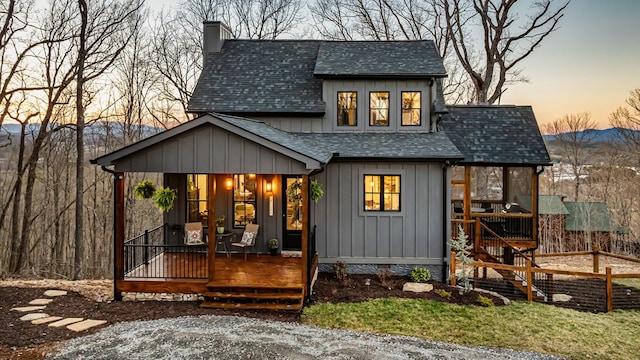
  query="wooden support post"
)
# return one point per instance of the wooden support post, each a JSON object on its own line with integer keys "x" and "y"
{"x": 549, "y": 287}
{"x": 452, "y": 269}
{"x": 596, "y": 259}
{"x": 118, "y": 233}
{"x": 476, "y": 243}
{"x": 305, "y": 232}
{"x": 466, "y": 203}
{"x": 609, "y": 290}
{"x": 529, "y": 281}
{"x": 212, "y": 241}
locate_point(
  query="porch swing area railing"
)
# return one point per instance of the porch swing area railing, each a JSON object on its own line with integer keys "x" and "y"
{"x": 147, "y": 256}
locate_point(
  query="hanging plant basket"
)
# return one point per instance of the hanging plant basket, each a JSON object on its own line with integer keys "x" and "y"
{"x": 144, "y": 189}
{"x": 163, "y": 198}
{"x": 316, "y": 191}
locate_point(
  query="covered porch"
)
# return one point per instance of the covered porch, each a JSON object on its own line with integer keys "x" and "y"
{"x": 219, "y": 169}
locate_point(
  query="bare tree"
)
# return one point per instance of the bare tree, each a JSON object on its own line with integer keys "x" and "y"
{"x": 505, "y": 41}
{"x": 626, "y": 119}
{"x": 572, "y": 135}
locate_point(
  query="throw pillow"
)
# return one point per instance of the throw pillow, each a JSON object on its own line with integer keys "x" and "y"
{"x": 247, "y": 238}
{"x": 194, "y": 237}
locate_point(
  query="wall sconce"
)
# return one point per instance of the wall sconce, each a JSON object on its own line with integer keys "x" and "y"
{"x": 228, "y": 184}
{"x": 268, "y": 187}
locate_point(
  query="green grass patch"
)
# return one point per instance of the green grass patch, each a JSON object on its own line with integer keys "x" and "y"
{"x": 520, "y": 326}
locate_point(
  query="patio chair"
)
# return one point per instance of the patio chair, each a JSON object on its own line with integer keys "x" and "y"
{"x": 248, "y": 238}
{"x": 193, "y": 233}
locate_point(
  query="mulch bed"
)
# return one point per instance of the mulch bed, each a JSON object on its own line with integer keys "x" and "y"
{"x": 21, "y": 339}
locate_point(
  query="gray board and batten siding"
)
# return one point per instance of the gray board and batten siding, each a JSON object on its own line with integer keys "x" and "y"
{"x": 413, "y": 236}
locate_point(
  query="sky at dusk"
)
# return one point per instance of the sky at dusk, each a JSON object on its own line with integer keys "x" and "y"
{"x": 589, "y": 65}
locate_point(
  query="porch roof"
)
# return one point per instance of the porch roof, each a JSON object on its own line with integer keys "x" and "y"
{"x": 500, "y": 135}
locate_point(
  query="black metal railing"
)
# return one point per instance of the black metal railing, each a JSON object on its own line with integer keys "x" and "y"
{"x": 147, "y": 256}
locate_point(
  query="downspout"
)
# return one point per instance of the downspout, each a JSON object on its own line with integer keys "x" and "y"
{"x": 115, "y": 250}
{"x": 445, "y": 240}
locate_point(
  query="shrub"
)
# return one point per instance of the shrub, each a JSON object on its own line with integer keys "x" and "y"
{"x": 420, "y": 275}
{"x": 443, "y": 293}
{"x": 484, "y": 301}
{"x": 341, "y": 270}
{"x": 384, "y": 276}
{"x": 463, "y": 256}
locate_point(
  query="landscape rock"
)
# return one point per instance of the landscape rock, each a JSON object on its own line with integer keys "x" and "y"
{"x": 29, "y": 308}
{"x": 86, "y": 324}
{"x": 54, "y": 293}
{"x": 40, "y": 301}
{"x": 561, "y": 298}
{"x": 34, "y": 316}
{"x": 46, "y": 320}
{"x": 65, "y": 322}
{"x": 493, "y": 293}
{"x": 417, "y": 287}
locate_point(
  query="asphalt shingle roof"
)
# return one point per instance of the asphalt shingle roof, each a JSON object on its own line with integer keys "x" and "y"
{"x": 323, "y": 147}
{"x": 260, "y": 76}
{"x": 507, "y": 135}
{"x": 379, "y": 59}
{"x": 547, "y": 204}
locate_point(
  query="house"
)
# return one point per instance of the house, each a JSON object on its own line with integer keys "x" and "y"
{"x": 364, "y": 119}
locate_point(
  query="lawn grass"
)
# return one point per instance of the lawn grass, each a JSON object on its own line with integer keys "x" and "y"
{"x": 520, "y": 326}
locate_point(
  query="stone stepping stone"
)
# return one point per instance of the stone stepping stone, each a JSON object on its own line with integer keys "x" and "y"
{"x": 34, "y": 316}
{"x": 54, "y": 293}
{"x": 40, "y": 302}
{"x": 86, "y": 324}
{"x": 46, "y": 320}
{"x": 65, "y": 322}
{"x": 28, "y": 308}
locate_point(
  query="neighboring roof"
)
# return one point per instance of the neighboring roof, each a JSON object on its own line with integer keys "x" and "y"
{"x": 379, "y": 59}
{"x": 547, "y": 204}
{"x": 260, "y": 76}
{"x": 489, "y": 134}
{"x": 588, "y": 216}
{"x": 551, "y": 205}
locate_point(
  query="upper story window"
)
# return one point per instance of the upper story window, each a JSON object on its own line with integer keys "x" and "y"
{"x": 244, "y": 199}
{"x": 379, "y": 108}
{"x": 382, "y": 192}
{"x": 347, "y": 108}
{"x": 197, "y": 198}
{"x": 411, "y": 108}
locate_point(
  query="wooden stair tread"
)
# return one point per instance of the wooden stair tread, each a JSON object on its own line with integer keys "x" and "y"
{"x": 251, "y": 306}
{"x": 255, "y": 286}
{"x": 252, "y": 295}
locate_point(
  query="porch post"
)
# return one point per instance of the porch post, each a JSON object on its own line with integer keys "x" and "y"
{"x": 534, "y": 205}
{"x": 305, "y": 231}
{"x": 211, "y": 223}
{"x": 467, "y": 198}
{"x": 118, "y": 233}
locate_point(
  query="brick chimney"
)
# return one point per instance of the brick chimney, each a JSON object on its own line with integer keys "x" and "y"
{"x": 215, "y": 32}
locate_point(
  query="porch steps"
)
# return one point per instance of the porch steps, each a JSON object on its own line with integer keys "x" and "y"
{"x": 258, "y": 296}
{"x": 510, "y": 276}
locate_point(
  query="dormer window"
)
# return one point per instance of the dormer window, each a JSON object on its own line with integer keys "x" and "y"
{"x": 411, "y": 106}
{"x": 347, "y": 108}
{"x": 379, "y": 108}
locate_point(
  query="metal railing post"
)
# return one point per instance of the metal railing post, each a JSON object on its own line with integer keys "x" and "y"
{"x": 146, "y": 248}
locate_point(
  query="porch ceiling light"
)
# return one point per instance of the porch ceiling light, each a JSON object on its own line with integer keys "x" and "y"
{"x": 228, "y": 184}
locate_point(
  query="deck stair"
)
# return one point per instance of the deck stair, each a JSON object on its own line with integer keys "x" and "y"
{"x": 495, "y": 250}
{"x": 289, "y": 297}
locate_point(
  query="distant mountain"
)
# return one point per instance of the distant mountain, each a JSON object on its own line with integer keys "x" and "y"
{"x": 600, "y": 136}
{"x": 98, "y": 128}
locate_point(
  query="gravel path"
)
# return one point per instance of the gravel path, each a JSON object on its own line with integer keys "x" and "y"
{"x": 230, "y": 337}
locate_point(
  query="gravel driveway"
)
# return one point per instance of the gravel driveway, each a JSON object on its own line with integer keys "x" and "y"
{"x": 230, "y": 337}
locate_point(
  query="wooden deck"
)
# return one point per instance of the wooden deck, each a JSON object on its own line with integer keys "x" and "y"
{"x": 261, "y": 282}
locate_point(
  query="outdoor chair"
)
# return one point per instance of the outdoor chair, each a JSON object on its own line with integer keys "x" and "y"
{"x": 248, "y": 239}
{"x": 193, "y": 233}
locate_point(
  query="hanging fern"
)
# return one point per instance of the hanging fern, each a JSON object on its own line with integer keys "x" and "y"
{"x": 163, "y": 198}
{"x": 316, "y": 191}
{"x": 144, "y": 189}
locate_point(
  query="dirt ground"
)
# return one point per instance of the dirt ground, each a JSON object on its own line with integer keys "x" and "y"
{"x": 91, "y": 299}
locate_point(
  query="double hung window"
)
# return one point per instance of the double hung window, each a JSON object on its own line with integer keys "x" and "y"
{"x": 411, "y": 108}
{"x": 347, "y": 108}
{"x": 379, "y": 108}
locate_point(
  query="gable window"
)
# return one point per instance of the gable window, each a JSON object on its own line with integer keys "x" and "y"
{"x": 347, "y": 108}
{"x": 411, "y": 108}
{"x": 382, "y": 192}
{"x": 244, "y": 199}
{"x": 197, "y": 198}
{"x": 379, "y": 108}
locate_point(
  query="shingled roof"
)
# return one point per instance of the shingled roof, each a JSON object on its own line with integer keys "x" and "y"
{"x": 501, "y": 135}
{"x": 284, "y": 76}
{"x": 379, "y": 59}
{"x": 588, "y": 216}
{"x": 260, "y": 76}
